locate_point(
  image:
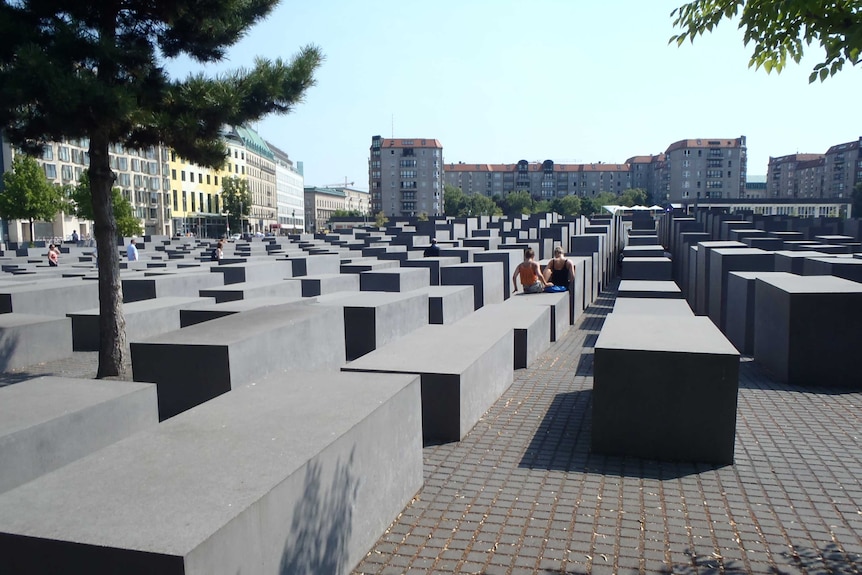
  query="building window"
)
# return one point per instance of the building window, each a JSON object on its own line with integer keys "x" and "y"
{"x": 183, "y": 175}
{"x": 50, "y": 171}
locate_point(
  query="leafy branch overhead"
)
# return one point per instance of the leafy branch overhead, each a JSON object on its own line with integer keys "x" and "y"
{"x": 782, "y": 30}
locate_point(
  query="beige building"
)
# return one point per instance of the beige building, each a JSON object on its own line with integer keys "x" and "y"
{"x": 142, "y": 176}
{"x": 250, "y": 157}
{"x": 542, "y": 180}
{"x": 405, "y": 176}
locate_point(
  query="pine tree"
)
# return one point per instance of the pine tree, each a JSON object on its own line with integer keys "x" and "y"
{"x": 94, "y": 70}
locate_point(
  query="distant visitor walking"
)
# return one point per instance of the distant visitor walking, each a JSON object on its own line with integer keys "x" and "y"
{"x": 529, "y": 273}
{"x": 53, "y": 256}
{"x": 132, "y": 251}
{"x": 433, "y": 250}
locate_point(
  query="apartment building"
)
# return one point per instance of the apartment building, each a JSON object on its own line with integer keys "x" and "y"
{"x": 290, "y": 193}
{"x": 405, "y": 176}
{"x": 842, "y": 169}
{"x": 702, "y": 168}
{"x": 784, "y": 175}
{"x": 830, "y": 175}
{"x": 251, "y": 158}
{"x": 541, "y": 179}
{"x": 143, "y": 177}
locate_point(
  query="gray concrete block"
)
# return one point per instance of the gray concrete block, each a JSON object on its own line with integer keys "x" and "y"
{"x": 791, "y": 261}
{"x": 314, "y": 264}
{"x": 48, "y": 422}
{"x": 702, "y": 285}
{"x": 254, "y": 482}
{"x": 840, "y": 267}
{"x": 209, "y": 312}
{"x": 251, "y": 290}
{"x": 27, "y": 339}
{"x": 643, "y": 240}
{"x": 510, "y": 260}
{"x": 654, "y": 269}
{"x": 202, "y": 361}
{"x": 368, "y": 265}
{"x": 183, "y": 284}
{"x": 739, "y": 318}
{"x": 665, "y": 387}
{"x": 530, "y": 326}
{"x": 643, "y": 252}
{"x": 806, "y": 329}
{"x": 373, "y": 319}
{"x": 144, "y": 319}
{"x": 465, "y": 254}
{"x": 463, "y": 369}
{"x": 557, "y": 301}
{"x": 433, "y": 266}
{"x": 448, "y": 304}
{"x": 393, "y": 280}
{"x": 328, "y": 283}
{"x": 648, "y": 289}
{"x": 55, "y": 297}
{"x": 255, "y": 271}
{"x": 725, "y": 261}
{"x": 652, "y": 306}
{"x": 484, "y": 277}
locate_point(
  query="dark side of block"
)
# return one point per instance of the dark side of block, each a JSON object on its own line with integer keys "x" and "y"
{"x": 666, "y": 406}
{"x": 197, "y": 373}
{"x": 360, "y": 327}
{"x": 37, "y": 556}
{"x": 441, "y": 407}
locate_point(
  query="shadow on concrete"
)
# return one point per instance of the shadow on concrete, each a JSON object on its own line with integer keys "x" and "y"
{"x": 562, "y": 443}
{"x": 322, "y": 522}
{"x": 753, "y": 375}
{"x": 590, "y": 339}
{"x": 585, "y": 365}
{"x": 9, "y": 342}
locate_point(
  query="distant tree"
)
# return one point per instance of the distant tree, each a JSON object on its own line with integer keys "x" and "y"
{"x": 605, "y": 199}
{"x": 517, "y": 203}
{"x": 422, "y": 217}
{"x": 95, "y": 70}
{"x": 567, "y": 205}
{"x": 542, "y": 206}
{"x": 588, "y": 206}
{"x": 453, "y": 200}
{"x": 380, "y": 219}
{"x": 478, "y": 205}
{"x": 236, "y": 201}
{"x": 28, "y": 195}
{"x": 81, "y": 206}
{"x": 782, "y": 29}
{"x": 346, "y": 214}
{"x": 633, "y": 197}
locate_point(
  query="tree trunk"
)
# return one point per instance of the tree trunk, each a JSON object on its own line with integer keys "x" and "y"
{"x": 32, "y": 237}
{"x": 112, "y": 324}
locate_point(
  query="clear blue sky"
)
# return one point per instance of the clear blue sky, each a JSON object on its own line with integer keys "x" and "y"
{"x": 497, "y": 82}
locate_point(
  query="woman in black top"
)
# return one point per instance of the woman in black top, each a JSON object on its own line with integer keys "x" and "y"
{"x": 559, "y": 271}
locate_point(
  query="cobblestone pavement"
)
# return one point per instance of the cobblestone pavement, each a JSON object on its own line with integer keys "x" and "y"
{"x": 522, "y": 493}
